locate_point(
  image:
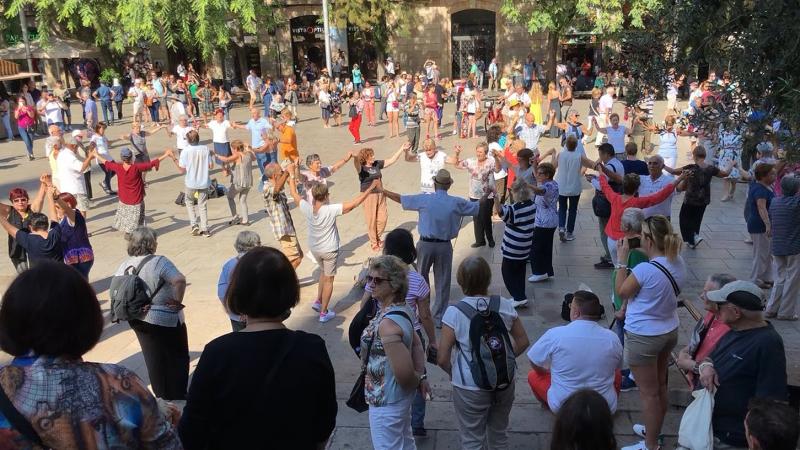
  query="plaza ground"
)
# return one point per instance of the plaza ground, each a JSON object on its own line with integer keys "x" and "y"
{"x": 201, "y": 259}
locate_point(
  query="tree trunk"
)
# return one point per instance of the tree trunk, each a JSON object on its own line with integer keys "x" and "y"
{"x": 552, "y": 55}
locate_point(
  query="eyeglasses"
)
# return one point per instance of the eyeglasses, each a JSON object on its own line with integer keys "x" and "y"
{"x": 375, "y": 280}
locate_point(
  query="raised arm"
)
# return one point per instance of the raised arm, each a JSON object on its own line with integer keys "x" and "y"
{"x": 455, "y": 158}
{"x": 10, "y": 229}
{"x": 342, "y": 162}
{"x": 68, "y": 211}
{"x": 44, "y": 181}
{"x": 293, "y": 190}
{"x": 393, "y": 159}
{"x": 352, "y": 204}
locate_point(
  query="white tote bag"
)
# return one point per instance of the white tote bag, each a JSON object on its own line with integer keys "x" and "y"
{"x": 695, "y": 432}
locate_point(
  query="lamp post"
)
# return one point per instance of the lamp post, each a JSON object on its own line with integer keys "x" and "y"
{"x": 326, "y": 30}
{"x": 24, "y": 24}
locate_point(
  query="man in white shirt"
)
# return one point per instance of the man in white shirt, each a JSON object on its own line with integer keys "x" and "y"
{"x": 583, "y": 354}
{"x": 52, "y": 109}
{"x": 70, "y": 172}
{"x": 431, "y": 160}
{"x": 137, "y": 94}
{"x": 604, "y": 108}
{"x": 654, "y": 183}
{"x": 521, "y": 96}
{"x": 389, "y": 67}
{"x": 259, "y": 127}
{"x": 195, "y": 162}
{"x": 530, "y": 132}
{"x": 180, "y": 130}
{"x": 253, "y": 86}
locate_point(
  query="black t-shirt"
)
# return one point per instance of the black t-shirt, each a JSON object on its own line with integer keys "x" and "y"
{"x": 230, "y": 406}
{"x": 698, "y": 184}
{"x": 369, "y": 173}
{"x": 39, "y": 248}
{"x": 636, "y": 166}
{"x": 750, "y": 363}
{"x": 439, "y": 91}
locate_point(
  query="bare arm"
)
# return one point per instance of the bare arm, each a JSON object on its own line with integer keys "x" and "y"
{"x": 293, "y": 191}
{"x": 352, "y": 204}
{"x": 38, "y": 200}
{"x": 342, "y": 162}
{"x": 68, "y": 211}
{"x": 399, "y": 356}
{"x": 446, "y": 342}
{"x": 10, "y": 229}
{"x": 519, "y": 336}
{"x": 392, "y": 195}
{"x": 424, "y": 311}
{"x": 393, "y": 159}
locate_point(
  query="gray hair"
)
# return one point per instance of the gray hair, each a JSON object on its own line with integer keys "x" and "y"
{"x": 396, "y": 271}
{"x": 790, "y": 184}
{"x": 272, "y": 169}
{"x": 658, "y": 158}
{"x": 311, "y": 158}
{"x": 246, "y": 240}
{"x": 520, "y": 190}
{"x": 143, "y": 241}
{"x": 721, "y": 279}
{"x": 632, "y": 219}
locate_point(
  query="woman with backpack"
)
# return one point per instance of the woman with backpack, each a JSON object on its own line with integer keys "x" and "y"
{"x": 161, "y": 331}
{"x": 393, "y": 357}
{"x": 649, "y": 294}
{"x": 481, "y": 405}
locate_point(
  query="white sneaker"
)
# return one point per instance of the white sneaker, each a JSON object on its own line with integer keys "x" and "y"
{"x": 520, "y": 303}
{"x": 317, "y": 305}
{"x": 569, "y": 236}
{"x": 637, "y": 446}
{"x": 639, "y": 430}
{"x": 537, "y": 278}
{"x": 324, "y": 317}
{"x": 697, "y": 240}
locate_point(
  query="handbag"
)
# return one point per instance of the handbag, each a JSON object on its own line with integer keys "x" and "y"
{"x": 357, "y": 399}
{"x": 181, "y": 199}
{"x": 360, "y": 322}
{"x": 18, "y": 421}
{"x": 353, "y": 111}
{"x": 696, "y": 432}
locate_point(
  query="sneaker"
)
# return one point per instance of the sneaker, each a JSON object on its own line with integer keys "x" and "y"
{"x": 570, "y": 237}
{"x": 627, "y": 386}
{"x": 697, "y": 240}
{"x": 31, "y": 157}
{"x": 748, "y": 240}
{"x": 317, "y": 305}
{"x": 326, "y": 316}
{"x": 519, "y": 303}
{"x": 419, "y": 432}
{"x": 562, "y": 236}
{"x": 205, "y": 233}
{"x": 537, "y": 278}
{"x": 640, "y": 430}
{"x": 195, "y": 230}
{"x": 476, "y": 245}
{"x": 637, "y": 446}
{"x": 604, "y": 264}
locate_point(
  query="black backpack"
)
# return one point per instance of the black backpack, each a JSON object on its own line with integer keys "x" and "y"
{"x": 492, "y": 362}
{"x": 129, "y": 298}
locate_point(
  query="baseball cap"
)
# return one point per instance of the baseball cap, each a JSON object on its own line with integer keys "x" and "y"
{"x": 744, "y": 294}
{"x": 126, "y": 153}
{"x": 513, "y": 103}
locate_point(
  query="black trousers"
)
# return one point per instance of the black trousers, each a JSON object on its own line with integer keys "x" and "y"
{"x": 691, "y": 217}
{"x": 513, "y": 271}
{"x": 482, "y": 223}
{"x": 542, "y": 251}
{"x": 166, "y": 355}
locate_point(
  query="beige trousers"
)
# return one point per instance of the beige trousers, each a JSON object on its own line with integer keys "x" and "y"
{"x": 375, "y": 214}
{"x": 786, "y": 292}
{"x": 762, "y": 257}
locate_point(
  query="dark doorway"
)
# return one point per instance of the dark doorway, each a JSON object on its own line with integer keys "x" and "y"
{"x": 362, "y": 51}
{"x": 473, "y": 34}
{"x": 308, "y": 46}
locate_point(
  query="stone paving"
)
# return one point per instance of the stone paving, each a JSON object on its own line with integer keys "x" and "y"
{"x": 200, "y": 259}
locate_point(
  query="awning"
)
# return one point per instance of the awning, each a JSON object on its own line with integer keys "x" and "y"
{"x": 58, "y": 48}
{"x": 20, "y": 76}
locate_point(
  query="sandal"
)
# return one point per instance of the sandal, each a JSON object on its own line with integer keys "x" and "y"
{"x": 793, "y": 318}
{"x": 235, "y": 221}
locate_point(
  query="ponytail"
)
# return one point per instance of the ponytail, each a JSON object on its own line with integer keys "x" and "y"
{"x": 672, "y": 246}
{"x": 659, "y": 229}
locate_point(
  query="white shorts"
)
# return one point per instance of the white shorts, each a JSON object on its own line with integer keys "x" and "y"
{"x": 390, "y": 426}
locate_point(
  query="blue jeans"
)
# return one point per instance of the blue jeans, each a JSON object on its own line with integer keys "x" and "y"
{"x": 83, "y": 268}
{"x": 263, "y": 159}
{"x": 108, "y": 111}
{"x": 154, "y": 111}
{"x": 109, "y": 174}
{"x": 563, "y": 219}
{"x": 28, "y": 139}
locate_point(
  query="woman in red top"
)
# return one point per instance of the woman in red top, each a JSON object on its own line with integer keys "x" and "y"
{"x": 26, "y": 118}
{"x": 431, "y": 113}
{"x": 130, "y": 188}
{"x": 621, "y": 202}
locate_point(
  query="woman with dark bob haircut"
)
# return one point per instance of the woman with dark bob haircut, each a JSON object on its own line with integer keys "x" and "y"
{"x": 242, "y": 376}
{"x": 49, "y": 319}
{"x": 584, "y": 422}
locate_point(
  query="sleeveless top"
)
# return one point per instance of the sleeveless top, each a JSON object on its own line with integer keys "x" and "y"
{"x": 568, "y": 174}
{"x": 380, "y": 386}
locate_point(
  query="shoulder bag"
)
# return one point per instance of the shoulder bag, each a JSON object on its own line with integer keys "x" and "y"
{"x": 18, "y": 421}
{"x": 671, "y": 279}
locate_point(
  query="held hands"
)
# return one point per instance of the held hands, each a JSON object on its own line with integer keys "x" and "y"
{"x": 458, "y": 149}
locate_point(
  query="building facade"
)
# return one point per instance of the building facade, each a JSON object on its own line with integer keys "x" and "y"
{"x": 447, "y": 32}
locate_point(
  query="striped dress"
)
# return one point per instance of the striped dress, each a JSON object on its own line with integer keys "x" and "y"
{"x": 518, "y": 234}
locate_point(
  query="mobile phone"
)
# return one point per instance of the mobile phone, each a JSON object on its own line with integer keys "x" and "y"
{"x": 634, "y": 242}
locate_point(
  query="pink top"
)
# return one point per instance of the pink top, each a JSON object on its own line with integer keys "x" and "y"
{"x": 25, "y": 120}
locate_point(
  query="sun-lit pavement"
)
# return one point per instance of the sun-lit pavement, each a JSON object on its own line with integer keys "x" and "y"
{"x": 200, "y": 259}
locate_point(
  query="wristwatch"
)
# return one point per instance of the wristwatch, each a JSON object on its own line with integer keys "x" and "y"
{"x": 422, "y": 378}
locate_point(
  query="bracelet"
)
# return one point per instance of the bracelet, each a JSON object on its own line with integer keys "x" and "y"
{"x": 620, "y": 266}
{"x": 704, "y": 364}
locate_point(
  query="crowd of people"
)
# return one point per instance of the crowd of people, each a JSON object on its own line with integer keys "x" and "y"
{"x": 577, "y": 370}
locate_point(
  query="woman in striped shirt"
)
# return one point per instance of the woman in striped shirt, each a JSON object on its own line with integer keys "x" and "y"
{"x": 517, "y": 238}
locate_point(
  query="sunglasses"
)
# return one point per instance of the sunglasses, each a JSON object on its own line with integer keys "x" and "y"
{"x": 375, "y": 280}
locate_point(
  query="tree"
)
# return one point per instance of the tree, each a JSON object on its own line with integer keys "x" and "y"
{"x": 204, "y": 25}
{"x": 378, "y": 20}
{"x": 556, "y": 16}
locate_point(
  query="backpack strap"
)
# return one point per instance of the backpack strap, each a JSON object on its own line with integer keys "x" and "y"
{"x": 672, "y": 281}
{"x": 494, "y": 303}
{"x": 467, "y": 310}
{"x": 17, "y": 420}
{"x": 139, "y": 268}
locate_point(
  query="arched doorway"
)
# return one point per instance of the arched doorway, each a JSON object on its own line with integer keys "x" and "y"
{"x": 308, "y": 44}
{"x": 472, "y": 34}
